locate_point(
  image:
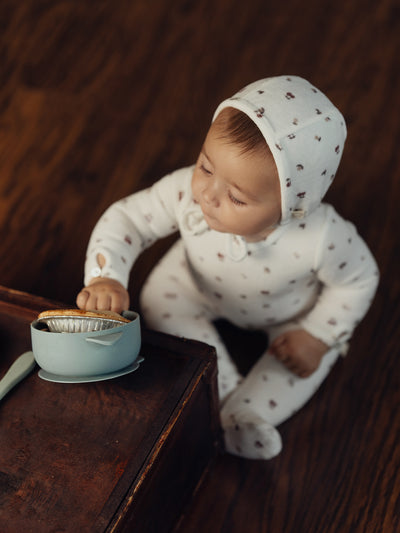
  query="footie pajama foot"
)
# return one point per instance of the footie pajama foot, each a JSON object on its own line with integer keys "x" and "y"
{"x": 251, "y": 437}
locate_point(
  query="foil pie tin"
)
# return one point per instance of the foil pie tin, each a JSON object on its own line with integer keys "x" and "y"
{"x": 78, "y": 324}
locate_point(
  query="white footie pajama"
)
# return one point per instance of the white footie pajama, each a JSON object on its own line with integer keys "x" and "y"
{"x": 252, "y": 406}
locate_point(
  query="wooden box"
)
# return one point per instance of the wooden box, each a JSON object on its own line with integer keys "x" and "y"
{"x": 119, "y": 455}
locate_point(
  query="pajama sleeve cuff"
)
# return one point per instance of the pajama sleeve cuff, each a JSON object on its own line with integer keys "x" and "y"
{"x": 115, "y": 267}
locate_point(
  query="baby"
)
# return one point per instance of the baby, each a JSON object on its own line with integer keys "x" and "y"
{"x": 257, "y": 247}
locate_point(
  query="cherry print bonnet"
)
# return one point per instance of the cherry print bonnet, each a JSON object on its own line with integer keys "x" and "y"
{"x": 305, "y": 133}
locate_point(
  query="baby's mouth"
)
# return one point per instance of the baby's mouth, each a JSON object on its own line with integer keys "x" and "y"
{"x": 206, "y": 214}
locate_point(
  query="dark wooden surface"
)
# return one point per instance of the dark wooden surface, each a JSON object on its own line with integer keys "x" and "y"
{"x": 102, "y": 456}
{"x": 99, "y": 99}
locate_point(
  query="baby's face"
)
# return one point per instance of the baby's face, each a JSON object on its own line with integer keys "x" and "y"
{"x": 238, "y": 193}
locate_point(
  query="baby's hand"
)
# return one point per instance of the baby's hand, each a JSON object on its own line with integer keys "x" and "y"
{"x": 103, "y": 294}
{"x": 299, "y": 351}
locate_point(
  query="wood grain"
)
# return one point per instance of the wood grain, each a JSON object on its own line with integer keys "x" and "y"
{"x": 101, "y": 456}
{"x": 98, "y": 100}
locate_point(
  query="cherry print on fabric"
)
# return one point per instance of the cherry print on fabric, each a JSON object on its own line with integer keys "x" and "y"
{"x": 171, "y": 295}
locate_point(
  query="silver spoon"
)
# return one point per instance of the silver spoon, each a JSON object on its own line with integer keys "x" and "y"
{"x": 20, "y": 368}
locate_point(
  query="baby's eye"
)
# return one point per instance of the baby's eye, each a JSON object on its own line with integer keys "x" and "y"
{"x": 235, "y": 200}
{"x": 205, "y": 170}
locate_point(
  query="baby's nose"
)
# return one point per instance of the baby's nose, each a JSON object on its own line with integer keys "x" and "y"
{"x": 210, "y": 195}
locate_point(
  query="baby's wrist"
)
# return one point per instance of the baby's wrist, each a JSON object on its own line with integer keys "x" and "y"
{"x": 104, "y": 280}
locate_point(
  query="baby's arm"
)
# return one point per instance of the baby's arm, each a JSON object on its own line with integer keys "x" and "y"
{"x": 348, "y": 275}
{"x": 122, "y": 233}
{"x": 299, "y": 351}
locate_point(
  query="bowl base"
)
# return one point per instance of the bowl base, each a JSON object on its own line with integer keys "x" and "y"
{"x": 47, "y": 376}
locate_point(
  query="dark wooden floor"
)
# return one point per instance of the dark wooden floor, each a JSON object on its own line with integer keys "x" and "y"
{"x": 99, "y": 99}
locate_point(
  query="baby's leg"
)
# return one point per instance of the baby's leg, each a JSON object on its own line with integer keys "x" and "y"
{"x": 271, "y": 394}
{"x": 170, "y": 302}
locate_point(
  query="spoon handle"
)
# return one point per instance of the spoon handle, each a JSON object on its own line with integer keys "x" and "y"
{"x": 20, "y": 368}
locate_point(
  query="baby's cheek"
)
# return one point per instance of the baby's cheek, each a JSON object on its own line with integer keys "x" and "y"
{"x": 195, "y": 184}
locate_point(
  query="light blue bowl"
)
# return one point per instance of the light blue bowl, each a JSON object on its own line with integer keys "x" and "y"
{"x": 92, "y": 353}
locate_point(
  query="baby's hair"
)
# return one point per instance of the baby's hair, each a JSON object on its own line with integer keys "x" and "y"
{"x": 237, "y": 128}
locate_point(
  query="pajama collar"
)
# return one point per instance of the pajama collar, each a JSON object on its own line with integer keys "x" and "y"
{"x": 236, "y": 246}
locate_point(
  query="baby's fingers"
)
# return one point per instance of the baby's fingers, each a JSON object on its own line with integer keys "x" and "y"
{"x": 82, "y": 298}
{"x": 118, "y": 303}
{"x": 88, "y": 299}
{"x": 278, "y": 342}
{"x": 103, "y": 295}
{"x": 102, "y": 302}
{"x": 279, "y": 348}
